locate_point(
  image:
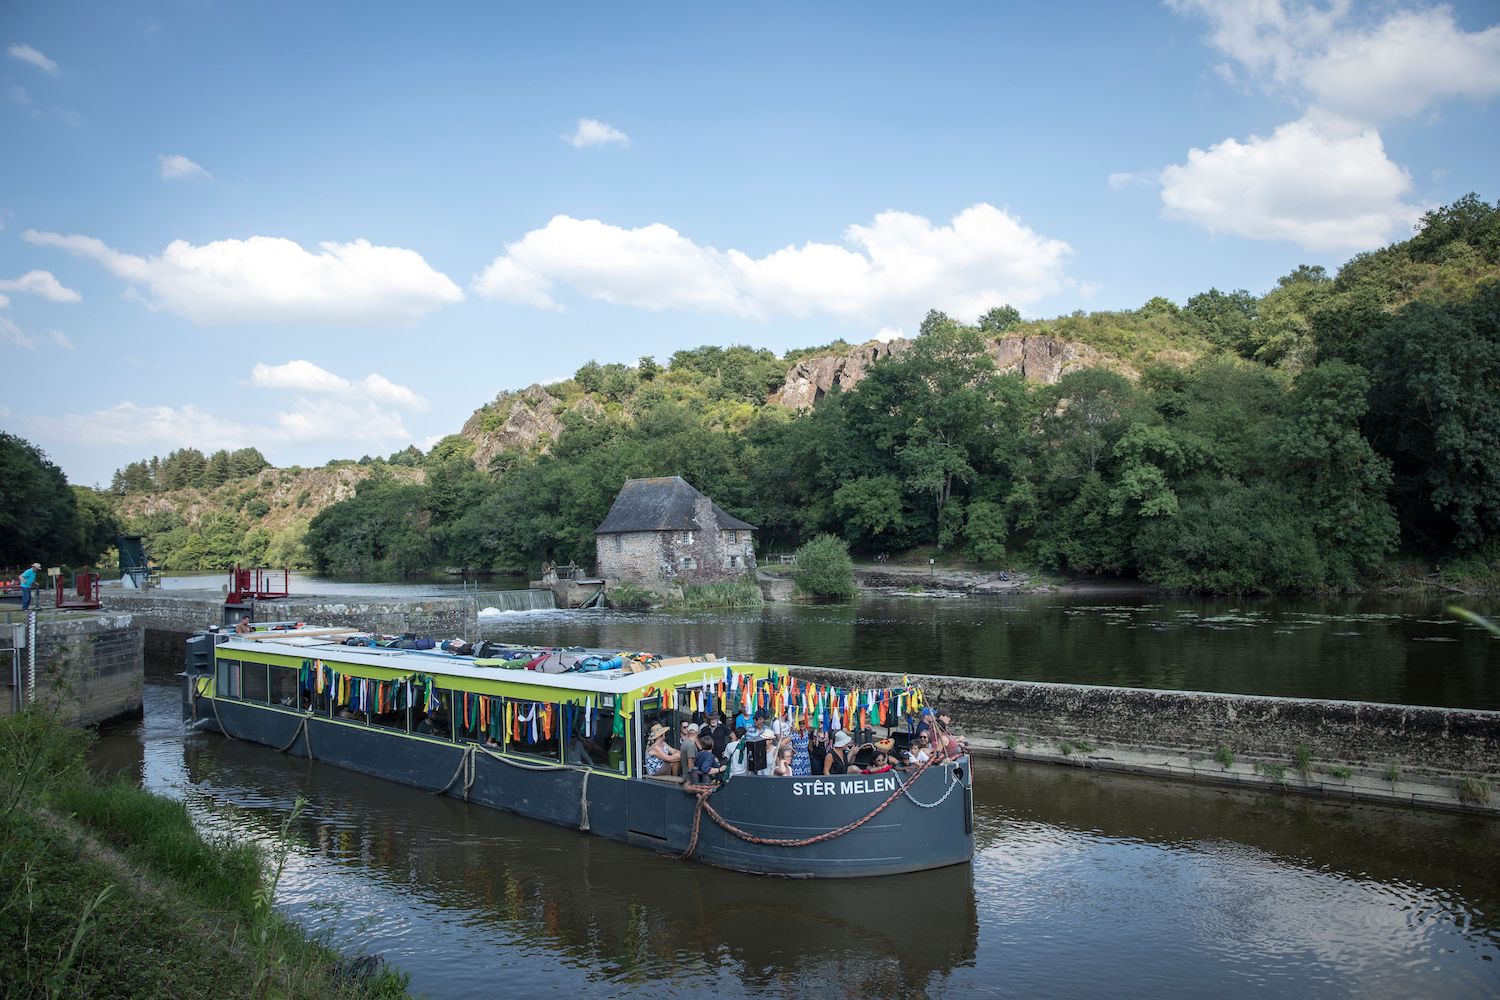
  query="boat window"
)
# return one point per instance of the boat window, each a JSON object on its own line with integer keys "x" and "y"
{"x": 481, "y": 718}
{"x": 322, "y": 701}
{"x": 439, "y": 720}
{"x": 253, "y": 681}
{"x": 227, "y": 681}
{"x": 346, "y": 701}
{"x": 388, "y": 705}
{"x": 284, "y": 687}
{"x": 535, "y": 729}
{"x": 591, "y": 740}
{"x": 648, "y": 712}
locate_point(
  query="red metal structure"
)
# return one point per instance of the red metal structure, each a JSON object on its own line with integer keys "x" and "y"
{"x": 85, "y": 595}
{"x": 258, "y": 585}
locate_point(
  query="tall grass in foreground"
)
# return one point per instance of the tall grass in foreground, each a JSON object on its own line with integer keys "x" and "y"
{"x": 109, "y": 890}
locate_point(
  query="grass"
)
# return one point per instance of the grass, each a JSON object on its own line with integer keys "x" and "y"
{"x": 1473, "y": 790}
{"x": 1341, "y": 773}
{"x": 1225, "y": 757}
{"x": 1302, "y": 757}
{"x": 1276, "y": 772}
{"x": 712, "y": 596}
{"x": 1010, "y": 742}
{"x": 1392, "y": 774}
{"x": 1065, "y": 748}
{"x": 108, "y": 890}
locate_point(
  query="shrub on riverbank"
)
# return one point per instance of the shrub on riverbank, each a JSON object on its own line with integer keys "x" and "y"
{"x": 109, "y": 890}
{"x": 629, "y": 597}
{"x": 824, "y": 568}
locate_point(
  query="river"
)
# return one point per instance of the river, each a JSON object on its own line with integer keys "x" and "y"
{"x": 1084, "y": 885}
{"x": 1406, "y": 650}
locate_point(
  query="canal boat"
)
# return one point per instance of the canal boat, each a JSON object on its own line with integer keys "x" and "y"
{"x": 505, "y": 731}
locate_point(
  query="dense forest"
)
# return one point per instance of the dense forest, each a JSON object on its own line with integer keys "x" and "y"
{"x": 1292, "y": 441}
{"x": 42, "y": 518}
{"x": 186, "y": 467}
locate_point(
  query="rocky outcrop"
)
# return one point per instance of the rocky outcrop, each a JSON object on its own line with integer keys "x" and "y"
{"x": 813, "y": 378}
{"x": 1037, "y": 358}
{"x": 525, "y": 421}
{"x": 1044, "y": 360}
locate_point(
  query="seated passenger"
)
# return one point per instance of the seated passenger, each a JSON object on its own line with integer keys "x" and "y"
{"x": 660, "y": 758}
{"x": 837, "y": 761}
{"x": 951, "y": 746}
{"x": 706, "y": 766}
{"x": 783, "y": 768}
{"x": 243, "y": 627}
{"x": 880, "y": 765}
{"x": 578, "y": 751}
{"x": 921, "y": 751}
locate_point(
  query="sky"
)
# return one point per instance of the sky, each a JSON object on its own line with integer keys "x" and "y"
{"x": 336, "y": 229}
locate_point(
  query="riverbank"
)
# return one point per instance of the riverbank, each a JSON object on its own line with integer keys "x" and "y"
{"x": 108, "y": 890}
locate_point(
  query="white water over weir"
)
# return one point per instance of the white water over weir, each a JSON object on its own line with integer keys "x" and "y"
{"x": 502, "y": 601}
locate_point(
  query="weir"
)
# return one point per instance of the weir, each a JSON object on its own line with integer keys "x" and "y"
{"x": 533, "y": 599}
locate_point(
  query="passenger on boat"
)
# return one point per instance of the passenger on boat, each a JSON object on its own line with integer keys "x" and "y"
{"x": 737, "y": 753}
{"x": 880, "y": 765}
{"x": 783, "y": 768}
{"x": 660, "y": 758}
{"x": 944, "y": 742}
{"x": 837, "y": 761}
{"x": 799, "y": 742}
{"x": 578, "y": 750}
{"x": 920, "y": 750}
{"x": 716, "y": 728}
{"x": 742, "y": 720}
{"x": 817, "y": 750}
{"x": 687, "y": 747}
{"x": 244, "y": 627}
{"x": 706, "y": 767}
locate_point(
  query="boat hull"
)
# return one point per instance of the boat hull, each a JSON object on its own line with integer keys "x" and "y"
{"x": 927, "y": 824}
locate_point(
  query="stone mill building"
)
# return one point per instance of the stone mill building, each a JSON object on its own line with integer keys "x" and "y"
{"x": 663, "y": 531}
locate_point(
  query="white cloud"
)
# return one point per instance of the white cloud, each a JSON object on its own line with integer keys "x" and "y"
{"x": 1120, "y": 180}
{"x": 304, "y": 376}
{"x": 41, "y": 283}
{"x": 271, "y": 280}
{"x": 1394, "y": 67}
{"x": 888, "y": 333}
{"x": 177, "y": 165}
{"x": 27, "y": 54}
{"x": 898, "y": 266}
{"x": 1324, "y": 184}
{"x": 61, "y": 340}
{"x": 15, "y": 336}
{"x": 592, "y": 132}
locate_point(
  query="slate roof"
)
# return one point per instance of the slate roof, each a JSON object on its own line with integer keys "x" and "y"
{"x": 661, "y": 504}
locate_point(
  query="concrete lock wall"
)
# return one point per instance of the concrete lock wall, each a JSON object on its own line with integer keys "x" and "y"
{"x": 176, "y": 617}
{"x": 1428, "y": 756}
{"x": 90, "y": 669}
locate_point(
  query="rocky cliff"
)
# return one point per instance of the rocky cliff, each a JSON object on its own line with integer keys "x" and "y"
{"x": 1037, "y": 358}
{"x": 525, "y": 421}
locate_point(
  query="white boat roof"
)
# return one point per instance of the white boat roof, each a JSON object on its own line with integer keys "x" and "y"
{"x": 329, "y": 649}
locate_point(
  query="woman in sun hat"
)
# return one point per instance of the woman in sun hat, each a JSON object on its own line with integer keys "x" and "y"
{"x": 837, "y": 761}
{"x": 659, "y": 756}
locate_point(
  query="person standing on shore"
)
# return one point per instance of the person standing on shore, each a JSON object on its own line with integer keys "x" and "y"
{"x": 28, "y": 584}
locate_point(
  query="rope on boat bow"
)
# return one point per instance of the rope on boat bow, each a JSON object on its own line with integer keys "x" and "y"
{"x": 751, "y": 838}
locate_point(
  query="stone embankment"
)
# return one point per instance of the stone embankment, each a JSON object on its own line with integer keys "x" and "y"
{"x": 89, "y": 667}
{"x": 918, "y": 581}
{"x": 1435, "y": 757}
{"x": 169, "y": 617}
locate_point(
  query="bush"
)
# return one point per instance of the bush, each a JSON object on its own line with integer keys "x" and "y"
{"x": 824, "y": 568}
{"x": 629, "y": 597}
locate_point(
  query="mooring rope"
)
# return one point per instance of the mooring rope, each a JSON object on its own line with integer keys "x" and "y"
{"x": 583, "y": 791}
{"x": 222, "y": 728}
{"x": 751, "y": 838}
{"x": 466, "y": 768}
{"x": 301, "y": 730}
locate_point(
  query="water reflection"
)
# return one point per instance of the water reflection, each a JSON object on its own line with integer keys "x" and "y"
{"x": 1404, "y": 651}
{"x": 1085, "y": 885}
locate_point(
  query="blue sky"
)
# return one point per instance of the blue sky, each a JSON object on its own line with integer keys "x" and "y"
{"x": 334, "y": 229}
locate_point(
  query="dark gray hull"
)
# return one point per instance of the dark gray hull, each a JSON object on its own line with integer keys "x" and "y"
{"x": 904, "y": 837}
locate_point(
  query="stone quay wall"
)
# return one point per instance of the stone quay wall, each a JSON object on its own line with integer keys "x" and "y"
{"x": 1443, "y": 757}
{"x": 89, "y": 668}
{"x": 170, "y": 617}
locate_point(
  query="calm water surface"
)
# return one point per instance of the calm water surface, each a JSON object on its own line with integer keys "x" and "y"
{"x": 1364, "y": 649}
{"x": 1085, "y": 885}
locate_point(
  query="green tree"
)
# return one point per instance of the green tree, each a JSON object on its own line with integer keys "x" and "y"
{"x": 38, "y": 512}
{"x": 824, "y": 568}
{"x": 999, "y": 319}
